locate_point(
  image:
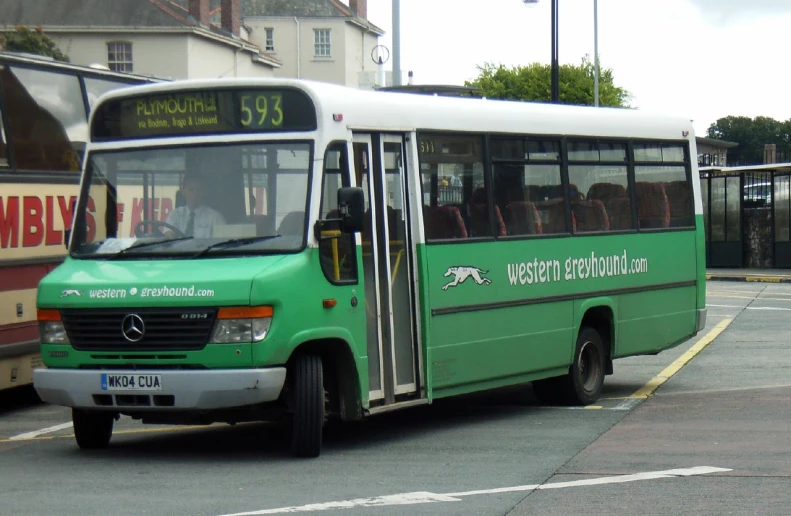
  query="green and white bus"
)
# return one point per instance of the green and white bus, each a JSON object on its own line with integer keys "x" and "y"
{"x": 368, "y": 251}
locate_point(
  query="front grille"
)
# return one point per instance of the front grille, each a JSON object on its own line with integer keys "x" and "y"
{"x": 132, "y": 366}
{"x": 164, "y": 329}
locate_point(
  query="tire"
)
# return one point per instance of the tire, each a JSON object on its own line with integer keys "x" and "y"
{"x": 583, "y": 383}
{"x": 308, "y": 406}
{"x": 92, "y": 430}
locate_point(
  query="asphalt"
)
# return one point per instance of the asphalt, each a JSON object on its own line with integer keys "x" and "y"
{"x": 720, "y": 401}
{"x": 728, "y": 408}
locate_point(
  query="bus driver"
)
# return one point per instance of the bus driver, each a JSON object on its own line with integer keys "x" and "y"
{"x": 195, "y": 218}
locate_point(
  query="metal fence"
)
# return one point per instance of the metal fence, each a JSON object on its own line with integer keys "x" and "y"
{"x": 757, "y": 190}
{"x": 451, "y": 194}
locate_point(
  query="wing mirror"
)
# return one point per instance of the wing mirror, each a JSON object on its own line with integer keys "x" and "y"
{"x": 351, "y": 206}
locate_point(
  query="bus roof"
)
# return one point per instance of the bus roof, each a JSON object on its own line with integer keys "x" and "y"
{"x": 22, "y": 58}
{"x": 382, "y": 110}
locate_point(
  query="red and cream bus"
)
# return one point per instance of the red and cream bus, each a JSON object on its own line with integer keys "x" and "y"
{"x": 44, "y": 106}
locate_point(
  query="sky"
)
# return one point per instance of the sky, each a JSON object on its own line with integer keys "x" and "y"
{"x": 701, "y": 59}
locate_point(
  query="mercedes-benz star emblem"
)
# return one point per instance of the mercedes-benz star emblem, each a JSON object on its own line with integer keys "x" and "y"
{"x": 133, "y": 327}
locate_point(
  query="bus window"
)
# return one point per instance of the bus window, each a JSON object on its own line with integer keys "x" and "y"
{"x": 290, "y": 164}
{"x": 337, "y": 249}
{"x": 664, "y": 197}
{"x": 3, "y": 145}
{"x": 143, "y": 194}
{"x": 528, "y": 190}
{"x": 455, "y": 200}
{"x": 598, "y": 171}
{"x": 648, "y": 152}
{"x": 46, "y": 112}
{"x": 664, "y": 192}
{"x": 98, "y": 87}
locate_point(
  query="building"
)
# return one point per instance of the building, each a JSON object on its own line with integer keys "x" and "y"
{"x": 713, "y": 153}
{"x": 322, "y": 40}
{"x": 175, "y": 39}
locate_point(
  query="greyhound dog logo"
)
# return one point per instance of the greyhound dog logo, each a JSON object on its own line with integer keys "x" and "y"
{"x": 461, "y": 273}
{"x": 70, "y": 292}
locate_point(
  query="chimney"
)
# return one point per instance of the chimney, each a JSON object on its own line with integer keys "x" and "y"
{"x": 770, "y": 154}
{"x": 199, "y": 10}
{"x": 231, "y": 15}
{"x": 360, "y": 8}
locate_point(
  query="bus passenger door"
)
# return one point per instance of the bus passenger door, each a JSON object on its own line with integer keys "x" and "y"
{"x": 393, "y": 358}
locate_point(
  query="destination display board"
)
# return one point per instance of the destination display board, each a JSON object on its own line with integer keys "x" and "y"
{"x": 201, "y": 112}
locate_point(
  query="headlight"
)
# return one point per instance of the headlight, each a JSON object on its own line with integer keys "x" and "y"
{"x": 244, "y": 324}
{"x": 52, "y": 332}
{"x": 50, "y": 328}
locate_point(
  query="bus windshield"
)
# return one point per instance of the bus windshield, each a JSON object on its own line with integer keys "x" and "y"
{"x": 194, "y": 200}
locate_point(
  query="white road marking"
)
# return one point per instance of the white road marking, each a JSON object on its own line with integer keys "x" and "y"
{"x": 718, "y": 293}
{"x": 759, "y": 297}
{"x": 36, "y": 433}
{"x": 427, "y": 497}
{"x": 774, "y": 308}
{"x": 629, "y": 404}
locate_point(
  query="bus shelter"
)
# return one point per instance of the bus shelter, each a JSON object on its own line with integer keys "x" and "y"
{"x": 747, "y": 215}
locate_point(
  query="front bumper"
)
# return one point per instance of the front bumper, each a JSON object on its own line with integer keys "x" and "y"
{"x": 180, "y": 390}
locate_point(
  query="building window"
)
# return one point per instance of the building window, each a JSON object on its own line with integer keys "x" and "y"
{"x": 270, "y": 40}
{"x": 321, "y": 39}
{"x": 119, "y": 56}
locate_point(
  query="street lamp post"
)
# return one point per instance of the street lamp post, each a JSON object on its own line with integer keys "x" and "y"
{"x": 596, "y": 53}
{"x": 555, "y": 71}
{"x": 396, "y": 42}
{"x": 555, "y": 50}
{"x": 555, "y": 88}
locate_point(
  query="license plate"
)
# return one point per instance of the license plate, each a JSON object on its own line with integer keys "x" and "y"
{"x": 131, "y": 382}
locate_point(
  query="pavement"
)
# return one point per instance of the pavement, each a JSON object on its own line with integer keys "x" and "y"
{"x": 701, "y": 429}
{"x": 750, "y": 275}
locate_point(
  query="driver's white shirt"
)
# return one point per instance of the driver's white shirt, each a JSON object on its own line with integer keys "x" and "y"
{"x": 205, "y": 220}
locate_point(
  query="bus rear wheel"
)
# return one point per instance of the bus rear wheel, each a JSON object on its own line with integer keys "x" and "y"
{"x": 583, "y": 384}
{"x": 308, "y": 406}
{"x": 92, "y": 430}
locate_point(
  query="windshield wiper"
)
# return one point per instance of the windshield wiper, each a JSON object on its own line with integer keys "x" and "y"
{"x": 149, "y": 244}
{"x": 234, "y": 242}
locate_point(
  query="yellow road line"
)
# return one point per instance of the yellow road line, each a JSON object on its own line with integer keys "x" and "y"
{"x": 646, "y": 390}
{"x": 753, "y": 279}
{"x": 766, "y": 279}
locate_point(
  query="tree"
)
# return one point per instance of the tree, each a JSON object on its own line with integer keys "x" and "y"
{"x": 752, "y": 134}
{"x": 23, "y": 39}
{"x": 534, "y": 83}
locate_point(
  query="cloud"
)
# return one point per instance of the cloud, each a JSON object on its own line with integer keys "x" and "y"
{"x": 727, "y": 11}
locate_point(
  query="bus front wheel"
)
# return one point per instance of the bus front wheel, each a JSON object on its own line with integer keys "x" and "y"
{"x": 308, "y": 406}
{"x": 92, "y": 430}
{"x": 583, "y": 384}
